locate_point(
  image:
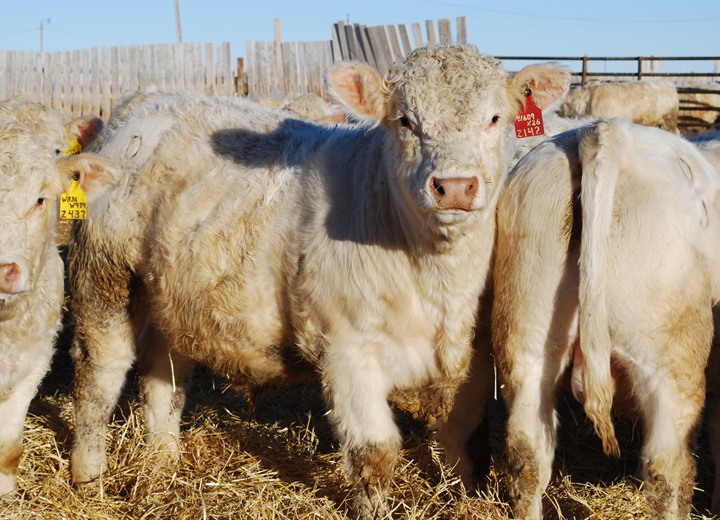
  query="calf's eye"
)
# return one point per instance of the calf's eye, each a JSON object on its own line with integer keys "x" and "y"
{"x": 37, "y": 208}
{"x": 406, "y": 122}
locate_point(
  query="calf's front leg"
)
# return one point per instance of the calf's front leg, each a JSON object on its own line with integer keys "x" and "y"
{"x": 102, "y": 359}
{"x": 356, "y": 390}
{"x": 13, "y": 411}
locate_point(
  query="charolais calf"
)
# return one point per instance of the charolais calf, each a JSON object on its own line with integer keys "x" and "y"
{"x": 32, "y": 177}
{"x": 606, "y": 264}
{"x": 269, "y": 249}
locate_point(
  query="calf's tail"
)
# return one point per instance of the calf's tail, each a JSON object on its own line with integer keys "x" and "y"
{"x": 599, "y": 148}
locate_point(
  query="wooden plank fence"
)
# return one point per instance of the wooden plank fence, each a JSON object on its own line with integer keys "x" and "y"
{"x": 91, "y": 81}
{"x": 286, "y": 68}
{"x": 384, "y": 45}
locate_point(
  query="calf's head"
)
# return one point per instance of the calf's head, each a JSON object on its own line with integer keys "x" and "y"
{"x": 48, "y": 127}
{"x": 31, "y": 180}
{"x": 446, "y": 112}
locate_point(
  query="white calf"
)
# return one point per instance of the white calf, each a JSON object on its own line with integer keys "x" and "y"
{"x": 31, "y": 270}
{"x": 270, "y": 248}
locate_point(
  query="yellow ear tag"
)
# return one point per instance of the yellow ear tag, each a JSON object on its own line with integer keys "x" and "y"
{"x": 73, "y": 203}
{"x": 74, "y": 148}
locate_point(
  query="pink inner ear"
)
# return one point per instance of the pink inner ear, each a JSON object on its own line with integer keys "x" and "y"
{"x": 548, "y": 90}
{"x": 348, "y": 84}
{"x": 356, "y": 87}
{"x": 93, "y": 178}
{"x": 95, "y": 172}
{"x": 37, "y": 208}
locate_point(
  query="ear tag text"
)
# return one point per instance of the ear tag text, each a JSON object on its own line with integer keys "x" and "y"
{"x": 73, "y": 203}
{"x": 529, "y": 121}
{"x": 73, "y": 148}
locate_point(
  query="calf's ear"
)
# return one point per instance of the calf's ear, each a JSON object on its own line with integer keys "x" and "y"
{"x": 93, "y": 171}
{"x": 359, "y": 88}
{"x": 548, "y": 82}
{"x": 84, "y": 130}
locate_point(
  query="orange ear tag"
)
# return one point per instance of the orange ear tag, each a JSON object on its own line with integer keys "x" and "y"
{"x": 73, "y": 203}
{"x": 529, "y": 121}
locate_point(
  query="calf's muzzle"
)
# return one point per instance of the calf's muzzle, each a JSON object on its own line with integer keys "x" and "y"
{"x": 454, "y": 193}
{"x": 11, "y": 278}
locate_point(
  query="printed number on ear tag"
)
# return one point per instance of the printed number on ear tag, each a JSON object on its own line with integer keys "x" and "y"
{"x": 73, "y": 148}
{"x": 529, "y": 121}
{"x": 73, "y": 203}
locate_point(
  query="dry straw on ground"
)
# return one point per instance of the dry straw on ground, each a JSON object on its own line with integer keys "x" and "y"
{"x": 281, "y": 462}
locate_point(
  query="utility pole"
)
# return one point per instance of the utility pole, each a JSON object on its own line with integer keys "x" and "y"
{"x": 41, "y": 31}
{"x": 177, "y": 20}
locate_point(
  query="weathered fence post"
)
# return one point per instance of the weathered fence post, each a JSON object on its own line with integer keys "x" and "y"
{"x": 342, "y": 42}
{"x": 241, "y": 80}
{"x": 430, "y": 29}
{"x": 417, "y": 35}
{"x": 279, "y": 77}
{"x": 461, "y": 30}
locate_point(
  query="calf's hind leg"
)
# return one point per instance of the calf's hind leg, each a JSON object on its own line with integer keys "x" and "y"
{"x": 532, "y": 338}
{"x": 530, "y": 392}
{"x": 713, "y": 418}
{"x": 671, "y": 394}
{"x": 668, "y": 465}
{"x": 164, "y": 380}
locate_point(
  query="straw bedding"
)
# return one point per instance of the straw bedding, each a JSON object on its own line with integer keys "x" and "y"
{"x": 281, "y": 462}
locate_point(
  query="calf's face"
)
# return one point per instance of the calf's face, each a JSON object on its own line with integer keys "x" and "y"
{"x": 449, "y": 122}
{"x": 48, "y": 128}
{"x": 446, "y": 111}
{"x": 26, "y": 210}
{"x": 31, "y": 180}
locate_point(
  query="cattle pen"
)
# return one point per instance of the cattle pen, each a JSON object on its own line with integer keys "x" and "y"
{"x": 91, "y": 81}
{"x": 273, "y": 455}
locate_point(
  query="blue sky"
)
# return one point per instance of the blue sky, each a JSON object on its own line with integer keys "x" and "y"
{"x": 525, "y": 28}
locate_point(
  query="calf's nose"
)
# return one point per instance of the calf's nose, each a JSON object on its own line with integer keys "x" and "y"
{"x": 454, "y": 192}
{"x": 9, "y": 277}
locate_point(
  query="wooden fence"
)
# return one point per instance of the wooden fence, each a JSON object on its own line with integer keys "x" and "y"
{"x": 381, "y": 46}
{"x": 277, "y": 67}
{"x": 284, "y": 68}
{"x": 91, "y": 81}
